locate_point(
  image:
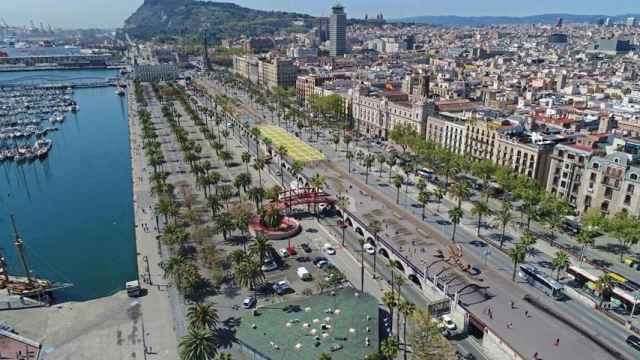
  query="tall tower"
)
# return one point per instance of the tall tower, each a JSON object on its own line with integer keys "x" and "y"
{"x": 206, "y": 65}
{"x": 338, "y": 31}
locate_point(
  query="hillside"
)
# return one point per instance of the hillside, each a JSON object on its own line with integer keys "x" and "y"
{"x": 504, "y": 20}
{"x": 188, "y": 17}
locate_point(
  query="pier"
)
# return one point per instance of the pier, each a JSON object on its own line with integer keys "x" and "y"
{"x": 57, "y": 82}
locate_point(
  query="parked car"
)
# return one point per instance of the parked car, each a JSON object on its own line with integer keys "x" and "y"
{"x": 370, "y": 249}
{"x": 305, "y": 247}
{"x": 249, "y": 302}
{"x": 281, "y": 287}
{"x": 329, "y": 249}
{"x": 448, "y": 323}
{"x": 283, "y": 253}
{"x": 303, "y": 273}
{"x": 292, "y": 251}
{"x": 320, "y": 261}
{"x": 633, "y": 341}
{"x": 269, "y": 265}
{"x": 303, "y": 259}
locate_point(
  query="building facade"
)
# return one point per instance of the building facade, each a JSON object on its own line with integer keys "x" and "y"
{"x": 338, "y": 31}
{"x": 377, "y": 115}
{"x": 269, "y": 72}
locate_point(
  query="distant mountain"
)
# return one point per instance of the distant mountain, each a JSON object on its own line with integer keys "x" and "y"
{"x": 505, "y": 20}
{"x": 184, "y": 17}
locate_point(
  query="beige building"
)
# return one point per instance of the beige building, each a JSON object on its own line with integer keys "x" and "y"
{"x": 377, "y": 114}
{"x": 448, "y": 132}
{"x": 523, "y": 157}
{"x": 269, "y": 72}
{"x": 590, "y": 178}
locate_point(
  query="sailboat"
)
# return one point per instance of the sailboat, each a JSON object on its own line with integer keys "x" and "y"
{"x": 30, "y": 290}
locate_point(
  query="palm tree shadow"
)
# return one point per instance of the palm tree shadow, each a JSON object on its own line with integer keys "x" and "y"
{"x": 226, "y": 337}
{"x": 230, "y": 292}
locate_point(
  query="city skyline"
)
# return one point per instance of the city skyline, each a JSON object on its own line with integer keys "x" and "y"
{"x": 93, "y": 13}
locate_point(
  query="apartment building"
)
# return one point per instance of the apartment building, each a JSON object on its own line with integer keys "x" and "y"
{"x": 592, "y": 177}
{"x": 266, "y": 71}
{"x": 523, "y": 156}
{"x": 447, "y": 131}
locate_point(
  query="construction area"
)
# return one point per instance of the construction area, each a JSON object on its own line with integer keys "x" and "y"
{"x": 343, "y": 324}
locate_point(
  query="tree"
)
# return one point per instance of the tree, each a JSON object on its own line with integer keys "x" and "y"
{"x": 349, "y": 156}
{"x": 398, "y": 180}
{"x": 479, "y": 209}
{"x": 241, "y": 214}
{"x": 224, "y": 225}
{"x": 381, "y": 159}
{"x": 260, "y": 247}
{"x": 460, "y": 191}
{"x": 423, "y": 199}
{"x": 317, "y": 182}
{"x": 406, "y": 309}
{"x": 560, "y": 262}
{"x": 503, "y": 217}
{"x": 391, "y": 162}
{"x": 554, "y": 212}
{"x": 249, "y": 274}
{"x": 324, "y": 356}
{"x": 517, "y": 255}
{"x": 256, "y": 194}
{"x": 624, "y": 229}
{"x": 403, "y": 135}
{"x": 390, "y": 300}
{"x": 246, "y": 158}
{"x": 256, "y": 133}
{"x": 258, "y": 164}
{"x": 427, "y": 341}
{"x": 604, "y": 286}
{"x": 584, "y": 238}
{"x": 375, "y": 227}
{"x": 455, "y": 215}
{"x": 203, "y": 316}
{"x": 368, "y": 161}
{"x": 242, "y": 181}
{"x": 389, "y": 348}
{"x": 439, "y": 193}
{"x": 198, "y": 344}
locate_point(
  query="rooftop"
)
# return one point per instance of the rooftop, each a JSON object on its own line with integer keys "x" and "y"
{"x": 306, "y": 328}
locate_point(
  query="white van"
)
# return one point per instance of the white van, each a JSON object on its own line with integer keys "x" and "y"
{"x": 303, "y": 273}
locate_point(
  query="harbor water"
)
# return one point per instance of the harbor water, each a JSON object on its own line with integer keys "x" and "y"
{"x": 74, "y": 208}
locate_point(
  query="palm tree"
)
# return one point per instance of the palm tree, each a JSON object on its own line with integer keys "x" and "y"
{"x": 460, "y": 191}
{"x": 203, "y": 316}
{"x": 246, "y": 158}
{"x": 517, "y": 255}
{"x": 381, "y": 161}
{"x": 258, "y": 165}
{"x": 368, "y": 161}
{"x": 224, "y": 224}
{"x": 398, "y": 180}
{"x": 347, "y": 140}
{"x": 503, "y": 218}
{"x": 215, "y": 204}
{"x": 406, "y": 309}
{"x": 527, "y": 240}
{"x": 256, "y": 133}
{"x": 225, "y": 156}
{"x": 317, "y": 182}
{"x": 391, "y": 161}
{"x": 242, "y": 181}
{"x": 260, "y": 247}
{"x": 349, "y": 156}
{"x": 604, "y": 286}
{"x": 375, "y": 227}
{"x": 455, "y": 215}
{"x": 171, "y": 267}
{"x": 199, "y": 344}
{"x": 439, "y": 193}
{"x": 390, "y": 300}
{"x": 479, "y": 209}
{"x": 249, "y": 274}
{"x": 343, "y": 203}
{"x": 256, "y": 194}
{"x": 560, "y": 262}
{"x": 423, "y": 199}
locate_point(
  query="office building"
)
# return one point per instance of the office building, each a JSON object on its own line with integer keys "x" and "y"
{"x": 338, "y": 31}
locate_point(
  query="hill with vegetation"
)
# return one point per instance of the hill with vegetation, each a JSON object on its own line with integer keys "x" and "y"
{"x": 190, "y": 17}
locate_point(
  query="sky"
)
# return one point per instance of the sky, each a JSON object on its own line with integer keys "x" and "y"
{"x": 112, "y": 13}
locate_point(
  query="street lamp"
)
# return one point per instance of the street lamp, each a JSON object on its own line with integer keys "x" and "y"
{"x": 636, "y": 298}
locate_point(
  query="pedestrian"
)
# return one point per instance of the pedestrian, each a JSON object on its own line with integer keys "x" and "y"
{"x": 509, "y": 325}
{"x": 526, "y": 314}
{"x": 535, "y": 356}
{"x": 557, "y": 342}
{"x": 513, "y": 305}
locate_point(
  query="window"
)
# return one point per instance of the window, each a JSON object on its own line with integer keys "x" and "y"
{"x": 593, "y": 176}
{"x": 596, "y": 165}
{"x": 627, "y": 199}
{"x": 630, "y": 188}
{"x": 633, "y": 176}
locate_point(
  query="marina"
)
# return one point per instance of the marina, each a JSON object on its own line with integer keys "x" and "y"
{"x": 73, "y": 197}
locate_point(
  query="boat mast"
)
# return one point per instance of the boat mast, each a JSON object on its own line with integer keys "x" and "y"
{"x": 20, "y": 247}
